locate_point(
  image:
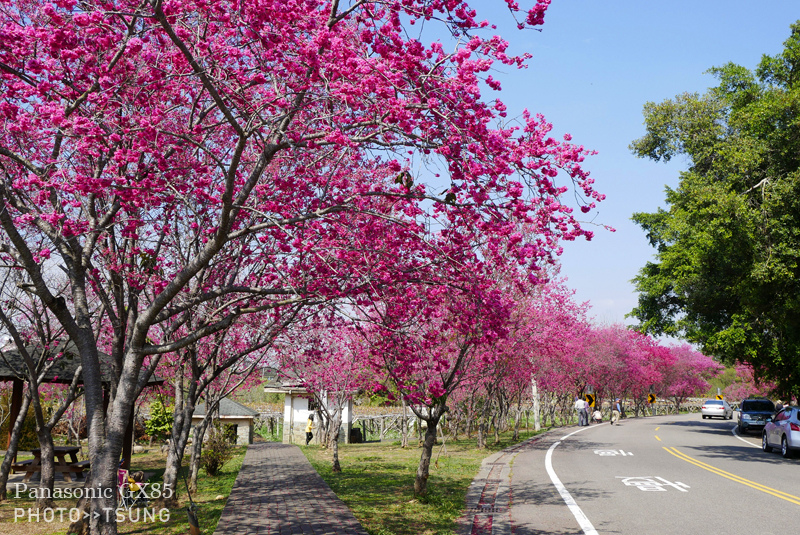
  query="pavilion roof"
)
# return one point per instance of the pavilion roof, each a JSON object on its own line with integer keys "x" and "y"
{"x": 67, "y": 359}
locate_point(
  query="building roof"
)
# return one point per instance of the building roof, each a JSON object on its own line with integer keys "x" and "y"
{"x": 282, "y": 381}
{"x": 12, "y": 365}
{"x": 227, "y": 409}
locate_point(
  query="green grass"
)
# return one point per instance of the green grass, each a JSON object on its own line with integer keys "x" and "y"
{"x": 209, "y": 508}
{"x": 377, "y": 483}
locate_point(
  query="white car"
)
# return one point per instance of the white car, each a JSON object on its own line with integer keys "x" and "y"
{"x": 718, "y": 408}
{"x": 782, "y": 432}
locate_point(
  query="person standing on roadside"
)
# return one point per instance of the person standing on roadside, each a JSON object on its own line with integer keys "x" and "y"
{"x": 580, "y": 407}
{"x": 587, "y": 409}
{"x": 616, "y": 410}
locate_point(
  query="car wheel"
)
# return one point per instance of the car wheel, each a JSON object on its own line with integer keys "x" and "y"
{"x": 764, "y": 444}
{"x": 739, "y": 429}
{"x": 785, "y": 451}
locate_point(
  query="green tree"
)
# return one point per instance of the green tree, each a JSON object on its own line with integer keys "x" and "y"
{"x": 160, "y": 422}
{"x": 726, "y": 273}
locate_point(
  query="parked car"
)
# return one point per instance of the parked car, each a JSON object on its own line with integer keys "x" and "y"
{"x": 753, "y": 414}
{"x": 716, "y": 408}
{"x": 782, "y": 432}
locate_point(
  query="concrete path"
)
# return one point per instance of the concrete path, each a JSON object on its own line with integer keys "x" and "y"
{"x": 277, "y": 492}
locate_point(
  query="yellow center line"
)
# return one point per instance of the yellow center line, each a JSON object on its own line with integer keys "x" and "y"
{"x": 658, "y": 438}
{"x": 657, "y": 428}
{"x": 738, "y": 479}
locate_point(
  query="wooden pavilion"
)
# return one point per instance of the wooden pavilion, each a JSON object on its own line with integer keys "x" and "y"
{"x": 62, "y": 371}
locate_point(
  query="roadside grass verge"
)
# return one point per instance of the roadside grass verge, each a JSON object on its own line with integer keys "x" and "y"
{"x": 377, "y": 483}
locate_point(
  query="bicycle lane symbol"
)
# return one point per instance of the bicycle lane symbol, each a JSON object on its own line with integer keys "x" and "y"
{"x": 652, "y": 484}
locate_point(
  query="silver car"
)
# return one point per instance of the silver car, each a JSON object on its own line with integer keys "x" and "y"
{"x": 782, "y": 432}
{"x": 716, "y": 408}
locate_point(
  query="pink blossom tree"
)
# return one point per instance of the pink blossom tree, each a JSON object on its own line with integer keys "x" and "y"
{"x": 210, "y": 369}
{"x": 687, "y": 375}
{"x": 621, "y": 363}
{"x": 745, "y": 384}
{"x": 253, "y": 129}
{"x": 332, "y": 361}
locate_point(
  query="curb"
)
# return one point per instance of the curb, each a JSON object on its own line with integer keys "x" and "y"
{"x": 488, "y": 500}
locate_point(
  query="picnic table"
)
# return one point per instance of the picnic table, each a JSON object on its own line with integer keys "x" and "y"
{"x": 62, "y": 464}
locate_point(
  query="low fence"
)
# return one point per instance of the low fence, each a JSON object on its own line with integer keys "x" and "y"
{"x": 386, "y": 423}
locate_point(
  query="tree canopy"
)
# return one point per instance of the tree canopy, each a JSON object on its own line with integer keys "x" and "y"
{"x": 726, "y": 270}
{"x": 183, "y": 165}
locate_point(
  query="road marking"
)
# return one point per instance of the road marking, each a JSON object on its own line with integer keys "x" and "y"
{"x": 576, "y": 431}
{"x": 576, "y": 511}
{"x": 650, "y": 483}
{"x": 611, "y": 453}
{"x": 752, "y": 484}
{"x": 737, "y": 435}
{"x": 658, "y": 438}
{"x": 657, "y": 428}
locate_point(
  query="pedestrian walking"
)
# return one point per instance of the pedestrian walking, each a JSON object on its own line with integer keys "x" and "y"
{"x": 616, "y": 410}
{"x": 309, "y": 427}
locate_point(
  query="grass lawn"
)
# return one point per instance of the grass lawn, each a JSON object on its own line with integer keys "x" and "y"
{"x": 209, "y": 508}
{"x": 377, "y": 483}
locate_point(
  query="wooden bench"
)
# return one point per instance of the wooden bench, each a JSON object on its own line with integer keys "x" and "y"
{"x": 21, "y": 466}
{"x": 78, "y": 467}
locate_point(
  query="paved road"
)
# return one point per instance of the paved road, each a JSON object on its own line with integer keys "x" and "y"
{"x": 665, "y": 475}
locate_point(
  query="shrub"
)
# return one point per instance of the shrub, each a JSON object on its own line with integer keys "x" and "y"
{"x": 160, "y": 423}
{"x": 29, "y": 439}
{"x": 217, "y": 450}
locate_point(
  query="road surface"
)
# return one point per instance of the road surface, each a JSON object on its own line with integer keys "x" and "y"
{"x": 654, "y": 476}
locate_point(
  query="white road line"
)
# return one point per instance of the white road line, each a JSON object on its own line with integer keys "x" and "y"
{"x": 576, "y": 431}
{"x": 583, "y": 521}
{"x": 733, "y": 431}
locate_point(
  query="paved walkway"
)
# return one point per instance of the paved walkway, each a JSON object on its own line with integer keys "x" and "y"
{"x": 277, "y": 492}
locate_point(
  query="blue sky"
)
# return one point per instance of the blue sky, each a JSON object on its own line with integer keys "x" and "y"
{"x": 594, "y": 66}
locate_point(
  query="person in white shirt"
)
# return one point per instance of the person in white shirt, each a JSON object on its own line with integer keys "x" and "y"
{"x": 580, "y": 406}
{"x": 597, "y": 416}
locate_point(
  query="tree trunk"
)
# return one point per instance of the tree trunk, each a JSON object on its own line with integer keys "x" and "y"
{"x": 423, "y": 470}
{"x": 337, "y": 468}
{"x": 177, "y": 446}
{"x": 16, "y": 433}
{"x": 404, "y": 427}
{"x": 335, "y": 423}
{"x": 197, "y": 450}
{"x": 517, "y": 422}
{"x": 44, "y": 496}
{"x": 182, "y": 426}
{"x": 106, "y": 437}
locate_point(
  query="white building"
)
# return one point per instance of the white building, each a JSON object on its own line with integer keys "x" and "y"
{"x": 298, "y": 405}
{"x": 233, "y": 414}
